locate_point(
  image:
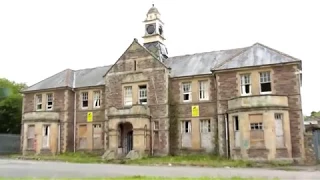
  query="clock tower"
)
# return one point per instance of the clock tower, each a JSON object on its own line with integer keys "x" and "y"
{"x": 153, "y": 37}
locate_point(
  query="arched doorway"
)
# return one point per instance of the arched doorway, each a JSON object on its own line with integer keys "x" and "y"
{"x": 125, "y": 137}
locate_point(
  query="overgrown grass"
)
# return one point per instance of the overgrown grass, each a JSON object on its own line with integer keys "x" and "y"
{"x": 137, "y": 178}
{"x": 186, "y": 160}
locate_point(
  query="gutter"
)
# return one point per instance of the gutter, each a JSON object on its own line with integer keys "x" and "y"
{"x": 74, "y": 111}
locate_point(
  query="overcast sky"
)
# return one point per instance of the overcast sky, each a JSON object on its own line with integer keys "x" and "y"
{"x": 41, "y": 38}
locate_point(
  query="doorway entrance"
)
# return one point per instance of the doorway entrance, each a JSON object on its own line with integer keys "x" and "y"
{"x": 125, "y": 137}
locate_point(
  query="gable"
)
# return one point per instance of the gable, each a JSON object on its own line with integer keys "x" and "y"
{"x": 136, "y": 57}
{"x": 256, "y": 55}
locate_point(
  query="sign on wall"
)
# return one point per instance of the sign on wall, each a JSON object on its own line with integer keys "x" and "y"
{"x": 195, "y": 111}
{"x": 89, "y": 117}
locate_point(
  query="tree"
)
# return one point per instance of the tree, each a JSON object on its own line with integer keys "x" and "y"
{"x": 10, "y": 106}
{"x": 315, "y": 114}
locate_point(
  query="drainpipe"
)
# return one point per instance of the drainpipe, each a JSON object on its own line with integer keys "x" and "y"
{"x": 151, "y": 135}
{"x": 74, "y": 112}
{"x": 59, "y": 137}
{"x": 227, "y": 138}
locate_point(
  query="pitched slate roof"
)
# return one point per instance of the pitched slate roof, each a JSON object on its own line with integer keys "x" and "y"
{"x": 257, "y": 55}
{"x": 187, "y": 65}
{"x": 200, "y": 63}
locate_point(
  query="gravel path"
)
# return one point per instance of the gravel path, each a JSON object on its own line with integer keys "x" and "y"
{"x": 24, "y": 168}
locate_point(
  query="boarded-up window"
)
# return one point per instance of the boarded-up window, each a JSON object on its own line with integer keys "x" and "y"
{"x": 205, "y": 126}
{"x": 30, "y": 136}
{"x": 97, "y": 136}
{"x": 279, "y": 129}
{"x": 83, "y": 143}
{"x": 256, "y": 130}
{"x": 46, "y": 136}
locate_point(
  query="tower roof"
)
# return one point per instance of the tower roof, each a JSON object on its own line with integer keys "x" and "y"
{"x": 153, "y": 10}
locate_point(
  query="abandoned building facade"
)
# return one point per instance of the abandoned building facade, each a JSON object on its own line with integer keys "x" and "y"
{"x": 242, "y": 103}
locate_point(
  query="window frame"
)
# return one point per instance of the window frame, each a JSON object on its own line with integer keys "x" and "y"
{"x": 47, "y": 101}
{"x": 143, "y": 90}
{"x": 47, "y": 145}
{"x": 30, "y": 137}
{"x": 185, "y": 130}
{"x": 204, "y": 91}
{"x": 186, "y": 92}
{"x": 243, "y": 84}
{"x": 84, "y": 97}
{"x": 268, "y": 77}
{"x": 205, "y": 126}
{"x": 39, "y": 102}
{"x": 96, "y": 99}
{"x": 127, "y": 96}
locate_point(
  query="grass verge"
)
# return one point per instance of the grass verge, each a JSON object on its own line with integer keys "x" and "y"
{"x": 187, "y": 160}
{"x": 137, "y": 178}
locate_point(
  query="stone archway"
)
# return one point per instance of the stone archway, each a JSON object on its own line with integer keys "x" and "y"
{"x": 125, "y": 137}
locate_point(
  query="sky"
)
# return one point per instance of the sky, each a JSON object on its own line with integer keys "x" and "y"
{"x": 39, "y": 38}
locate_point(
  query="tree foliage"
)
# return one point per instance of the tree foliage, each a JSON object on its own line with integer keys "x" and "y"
{"x": 10, "y": 106}
{"x": 315, "y": 114}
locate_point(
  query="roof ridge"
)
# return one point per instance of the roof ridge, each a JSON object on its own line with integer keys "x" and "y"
{"x": 92, "y": 67}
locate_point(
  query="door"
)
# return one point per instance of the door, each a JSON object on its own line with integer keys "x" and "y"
{"x": 129, "y": 142}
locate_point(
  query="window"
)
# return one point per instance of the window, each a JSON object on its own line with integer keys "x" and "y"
{"x": 49, "y": 101}
{"x": 84, "y": 99}
{"x": 46, "y": 136}
{"x": 205, "y": 126}
{"x": 128, "y": 95}
{"x": 279, "y": 130}
{"x": 134, "y": 65}
{"x": 256, "y": 126}
{"x": 30, "y": 137}
{"x": 245, "y": 84}
{"x": 143, "y": 94}
{"x": 96, "y": 99}
{"x": 186, "y": 126}
{"x": 236, "y": 127}
{"x": 39, "y": 102}
{"x": 82, "y": 136}
{"x": 256, "y": 130}
{"x": 156, "y": 125}
{"x": 186, "y": 87}
{"x": 236, "y": 123}
{"x": 97, "y": 136}
{"x": 265, "y": 82}
{"x": 203, "y": 90}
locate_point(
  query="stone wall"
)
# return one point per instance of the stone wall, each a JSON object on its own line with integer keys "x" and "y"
{"x": 311, "y": 158}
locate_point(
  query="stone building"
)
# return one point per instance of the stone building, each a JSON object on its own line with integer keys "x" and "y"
{"x": 241, "y": 103}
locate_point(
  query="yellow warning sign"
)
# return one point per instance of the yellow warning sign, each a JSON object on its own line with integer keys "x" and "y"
{"x": 89, "y": 117}
{"x": 195, "y": 111}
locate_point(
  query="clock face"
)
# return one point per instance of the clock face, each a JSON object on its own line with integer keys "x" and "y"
{"x": 150, "y": 29}
{"x": 160, "y": 30}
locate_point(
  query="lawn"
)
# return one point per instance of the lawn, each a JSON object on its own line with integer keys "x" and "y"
{"x": 135, "y": 178}
{"x": 187, "y": 160}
